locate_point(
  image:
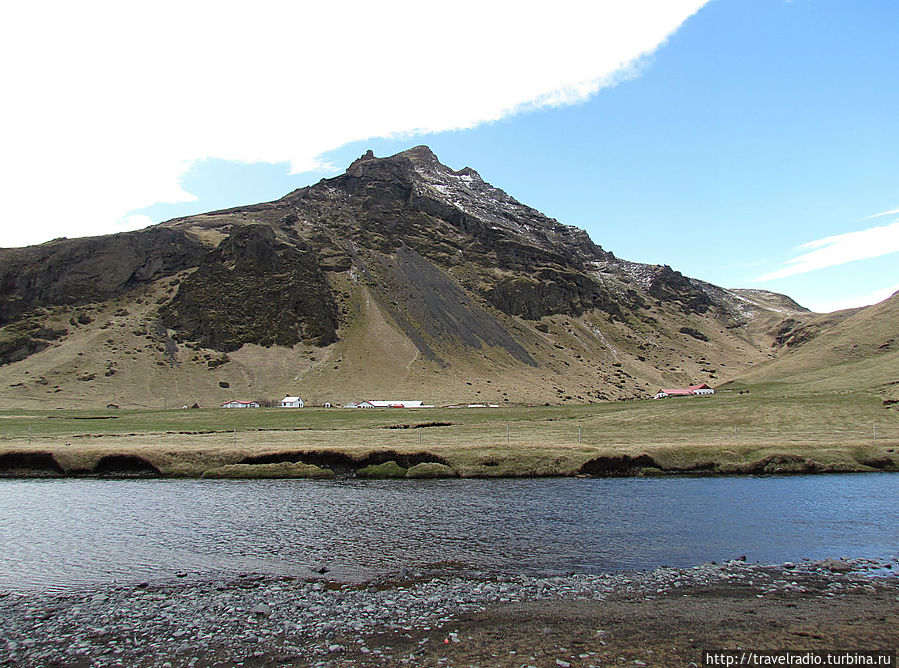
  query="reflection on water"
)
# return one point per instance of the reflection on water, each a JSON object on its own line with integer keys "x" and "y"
{"x": 56, "y": 534}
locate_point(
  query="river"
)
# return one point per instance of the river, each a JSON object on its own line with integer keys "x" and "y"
{"x": 60, "y": 534}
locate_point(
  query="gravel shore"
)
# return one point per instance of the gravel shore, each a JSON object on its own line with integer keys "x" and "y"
{"x": 659, "y": 617}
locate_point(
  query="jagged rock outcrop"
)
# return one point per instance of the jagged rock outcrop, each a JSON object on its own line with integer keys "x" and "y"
{"x": 26, "y": 337}
{"x": 253, "y": 289}
{"x": 672, "y": 286}
{"x": 78, "y": 271}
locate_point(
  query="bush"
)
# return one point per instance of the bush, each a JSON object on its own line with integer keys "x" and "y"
{"x": 430, "y": 470}
{"x": 380, "y": 471}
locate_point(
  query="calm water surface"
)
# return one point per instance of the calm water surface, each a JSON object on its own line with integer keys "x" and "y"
{"x": 71, "y": 533}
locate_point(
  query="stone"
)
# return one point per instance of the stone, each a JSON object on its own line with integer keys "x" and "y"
{"x": 835, "y": 566}
{"x": 261, "y": 609}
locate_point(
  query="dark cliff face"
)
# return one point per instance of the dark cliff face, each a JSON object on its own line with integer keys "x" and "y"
{"x": 671, "y": 286}
{"x": 78, "y": 271}
{"x": 252, "y": 289}
{"x": 548, "y": 291}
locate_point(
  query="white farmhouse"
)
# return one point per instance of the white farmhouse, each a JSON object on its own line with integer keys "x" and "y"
{"x": 291, "y": 402}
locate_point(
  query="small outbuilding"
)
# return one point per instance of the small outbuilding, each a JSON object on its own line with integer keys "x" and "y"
{"x": 291, "y": 402}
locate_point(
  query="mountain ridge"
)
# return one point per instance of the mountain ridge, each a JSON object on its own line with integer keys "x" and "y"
{"x": 477, "y": 294}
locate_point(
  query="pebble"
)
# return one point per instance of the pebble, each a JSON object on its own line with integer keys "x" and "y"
{"x": 253, "y": 617}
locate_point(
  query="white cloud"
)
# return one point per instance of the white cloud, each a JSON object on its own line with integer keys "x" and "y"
{"x": 107, "y": 103}
{"x": 830, "y": 305}
{"x": 840, "y": 249}
{"x": 882, "y": 213}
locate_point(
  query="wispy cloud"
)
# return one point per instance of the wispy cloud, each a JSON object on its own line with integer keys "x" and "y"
{"x": 881, "y": 214}
{"x": 109, "y": 102}
{"x": 840, "y": 249}
{"x": 829, "y": 305}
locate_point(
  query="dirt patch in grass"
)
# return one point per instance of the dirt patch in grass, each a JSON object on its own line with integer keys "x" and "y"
{"x": 419, "y": 425}
{"x": 775, "y": 464}
{"x": 28, "y": 464}
{"x": 883, "y": 463}
{"x": 618, "y": 466}
{"x": 126, "y": 465}
{"x": 342, "y": 463}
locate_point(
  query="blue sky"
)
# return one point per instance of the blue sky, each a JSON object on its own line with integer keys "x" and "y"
{"x": 758, "y": 127}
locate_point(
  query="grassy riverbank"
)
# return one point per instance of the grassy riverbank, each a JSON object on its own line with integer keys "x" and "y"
{"x": 766, "y": 430}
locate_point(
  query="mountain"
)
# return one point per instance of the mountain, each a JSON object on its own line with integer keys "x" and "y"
{"x": 401, "y": 278}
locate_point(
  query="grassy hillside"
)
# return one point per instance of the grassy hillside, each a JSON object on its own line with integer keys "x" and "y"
{"x": 120, "y": 352}
{"x": 854, "y": 349}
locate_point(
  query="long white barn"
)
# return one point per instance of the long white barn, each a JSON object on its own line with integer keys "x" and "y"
{"x": 240, "y": 404}
{"x": 371, "y": 403}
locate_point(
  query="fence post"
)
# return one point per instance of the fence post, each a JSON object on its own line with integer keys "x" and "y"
{"x": 579, "y": 433}
{"x": 508, "y": 437}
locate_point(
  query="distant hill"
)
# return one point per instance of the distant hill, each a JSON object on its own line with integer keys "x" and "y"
{"x": 845, "y": 350}
{"x": 399, "y": 279}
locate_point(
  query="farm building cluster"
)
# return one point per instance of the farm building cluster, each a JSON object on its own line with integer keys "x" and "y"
{"x": 297, "y": 402}
{"x": 371, "y": 403}
{"x": 692, "y": 391}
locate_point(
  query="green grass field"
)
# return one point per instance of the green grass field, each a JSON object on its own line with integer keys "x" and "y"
{"x": 725, "y": 433}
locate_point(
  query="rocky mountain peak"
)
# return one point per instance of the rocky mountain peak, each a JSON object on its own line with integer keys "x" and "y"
{"x": 365, "y": 157}
{"x": 428, "y": 165}
{"x": 410, "y": 165}
{"x": 421, "y": 156}
{"x": 390, "y": 193}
